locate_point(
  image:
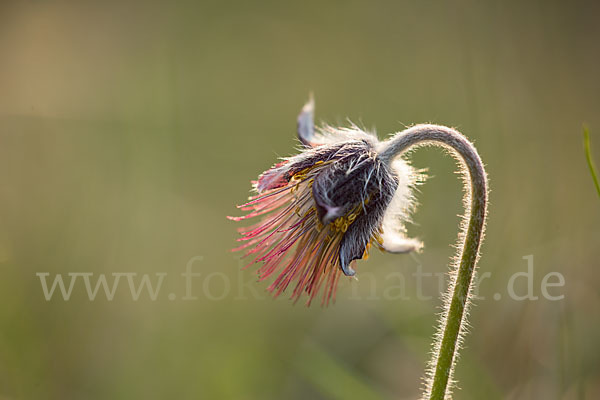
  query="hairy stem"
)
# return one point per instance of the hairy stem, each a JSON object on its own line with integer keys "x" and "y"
{"x": 453, "y": 320}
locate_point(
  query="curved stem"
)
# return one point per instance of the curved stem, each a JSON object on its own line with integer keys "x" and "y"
{"x": 453, "y": 319}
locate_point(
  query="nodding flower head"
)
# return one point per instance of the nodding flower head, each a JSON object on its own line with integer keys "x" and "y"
{"x": 324, "y": 208}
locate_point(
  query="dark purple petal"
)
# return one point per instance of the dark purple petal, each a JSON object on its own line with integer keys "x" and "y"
{"x": 280, "y": 174}
{"x": 383, "y": 185}
{"x": 343, "y": 186}
{"x": 272, "y": 178}
{"x": 306, "y": 124}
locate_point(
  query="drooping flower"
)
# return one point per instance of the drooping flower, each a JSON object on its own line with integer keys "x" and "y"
{"x": 324, "y": 208}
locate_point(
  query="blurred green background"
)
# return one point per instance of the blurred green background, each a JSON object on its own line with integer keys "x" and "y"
{"x": 129, "y": 130}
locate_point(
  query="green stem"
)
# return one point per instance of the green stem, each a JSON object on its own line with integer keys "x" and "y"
{"x": 451, "y": 326}
{"x": 588, "y": 156}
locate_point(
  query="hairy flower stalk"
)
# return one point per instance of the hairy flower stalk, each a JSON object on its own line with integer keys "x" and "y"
{"x": 453, "y": 320}
{"x": 343, "y": 193}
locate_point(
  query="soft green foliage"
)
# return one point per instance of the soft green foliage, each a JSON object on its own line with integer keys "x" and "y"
{"x": 332, "y": 378}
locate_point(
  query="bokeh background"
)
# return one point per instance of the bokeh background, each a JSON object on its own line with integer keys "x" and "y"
{"x": 129, "y": 130}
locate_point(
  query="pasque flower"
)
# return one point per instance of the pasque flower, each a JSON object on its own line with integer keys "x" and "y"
{"x": 346, "y": 191}
{"x": 324, "y": 208}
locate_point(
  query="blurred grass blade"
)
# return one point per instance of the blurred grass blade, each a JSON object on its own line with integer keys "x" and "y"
{"x": 332, "y": 378}
{"x": 588, "y": 156}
